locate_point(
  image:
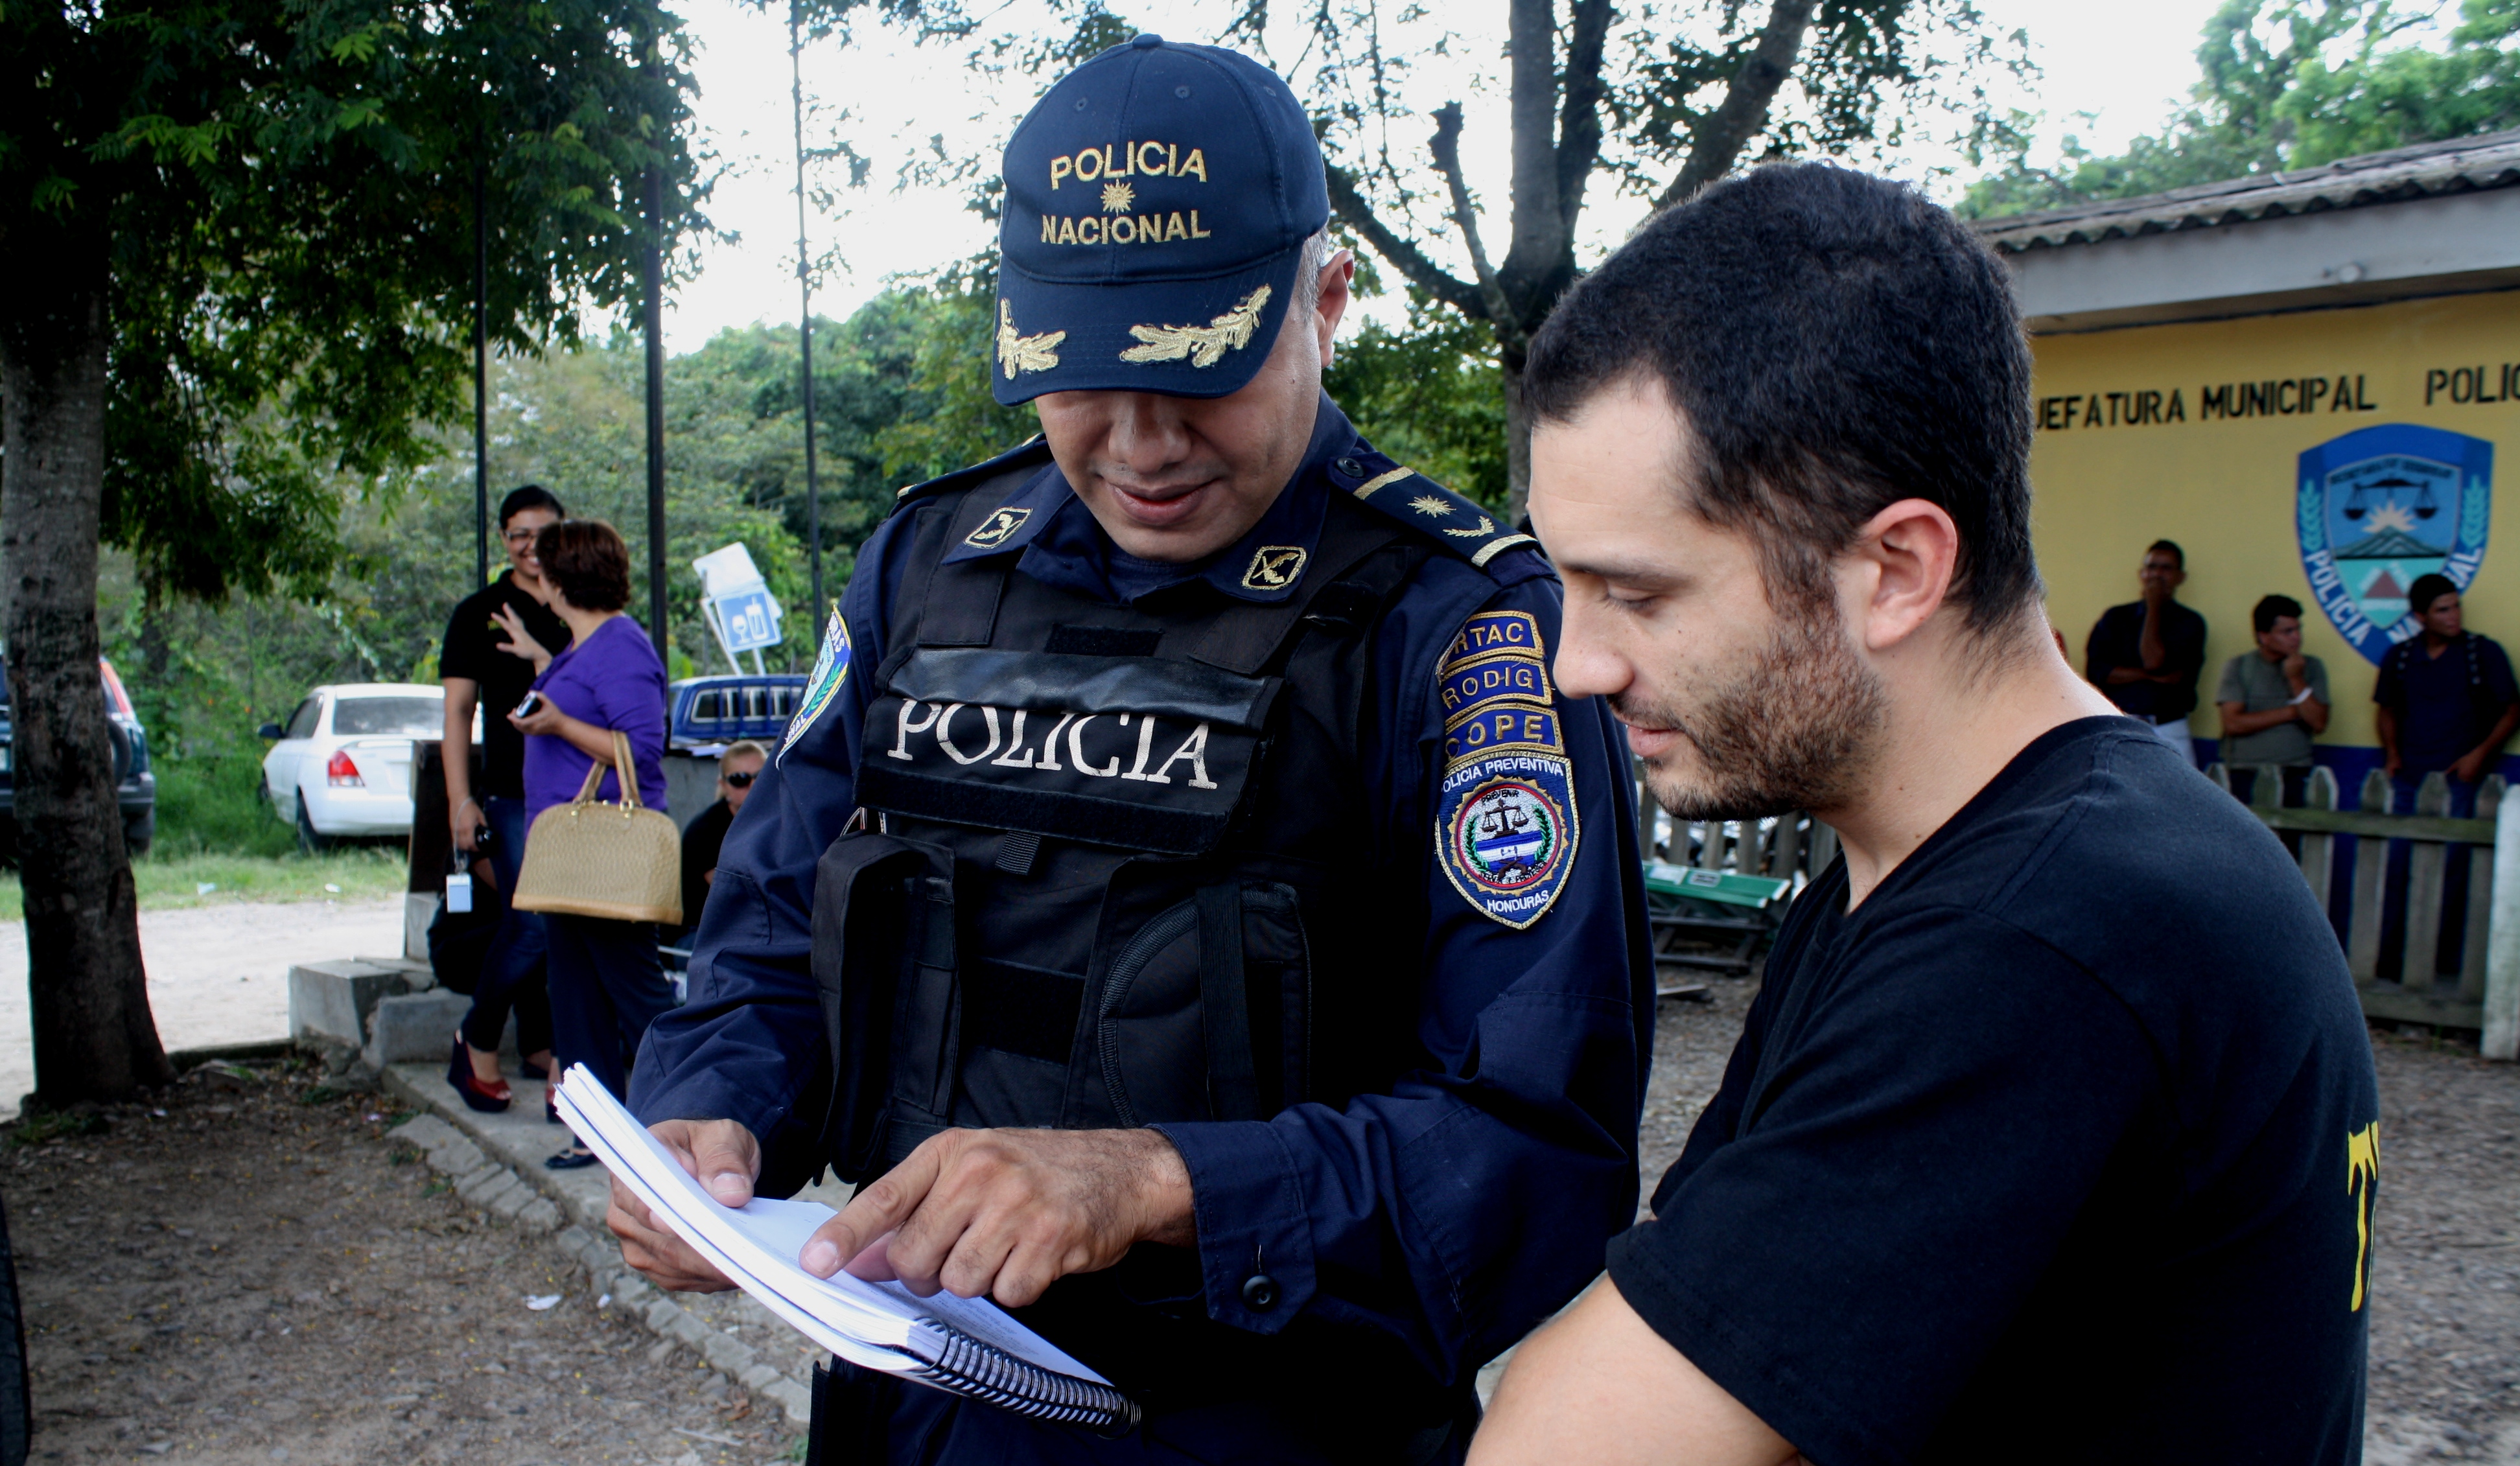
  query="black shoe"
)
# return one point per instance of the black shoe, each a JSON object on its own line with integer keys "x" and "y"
{"x": 575, "y": 1158}
{"x": 476, "y": 1096}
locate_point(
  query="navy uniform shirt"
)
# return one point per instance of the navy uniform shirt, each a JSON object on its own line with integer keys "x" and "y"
{"x": 2445, "y": 704}
{"x": 1454, "y": 1213}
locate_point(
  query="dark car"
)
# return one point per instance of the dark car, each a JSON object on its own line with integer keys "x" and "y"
{"x": 135, "y": 785}
{"x": 709, "y": 712}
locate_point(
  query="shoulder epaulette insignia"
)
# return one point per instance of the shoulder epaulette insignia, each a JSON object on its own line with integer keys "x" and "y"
{"x": 1024, "y": 455}
{"x": 1432, "y": 510}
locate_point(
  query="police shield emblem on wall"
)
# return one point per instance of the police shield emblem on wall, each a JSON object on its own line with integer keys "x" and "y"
{"x": 2381, "y": 506}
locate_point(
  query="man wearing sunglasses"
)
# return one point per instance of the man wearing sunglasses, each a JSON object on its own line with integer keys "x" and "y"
{"x": 737, "y": 769}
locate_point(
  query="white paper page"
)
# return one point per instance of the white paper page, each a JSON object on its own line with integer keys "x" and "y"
{"x": 845, "y": 1343}
{"x": 765, "y": 1236}
{"x": 783, "y": 1227}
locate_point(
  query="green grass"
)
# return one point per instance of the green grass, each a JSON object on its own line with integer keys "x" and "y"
{"x": 167, "y": 882}
{"x": 215, "y": 832}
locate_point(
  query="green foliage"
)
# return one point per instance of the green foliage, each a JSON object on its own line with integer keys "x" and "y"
{"x": 1431, "y": 396}
{"x": 952, "y": 358}
{"x": 2287, "y": 84}
{"x": 279, "y": 198}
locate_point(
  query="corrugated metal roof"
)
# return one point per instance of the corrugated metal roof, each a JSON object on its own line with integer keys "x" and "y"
{"x": 2463, "y": 165}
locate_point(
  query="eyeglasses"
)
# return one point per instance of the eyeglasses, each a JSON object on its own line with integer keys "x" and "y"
{"x": 518, "y": 536}
{"x": 742, "y": 780}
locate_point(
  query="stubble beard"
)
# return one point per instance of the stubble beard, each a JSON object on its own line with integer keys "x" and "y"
{"x": 1792, "y": 730}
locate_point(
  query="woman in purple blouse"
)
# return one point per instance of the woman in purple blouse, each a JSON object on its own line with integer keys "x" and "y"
{"x": 607, "y": 984}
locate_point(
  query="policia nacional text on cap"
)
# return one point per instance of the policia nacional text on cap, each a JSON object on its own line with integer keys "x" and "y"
{"x": 1183, "y": 885}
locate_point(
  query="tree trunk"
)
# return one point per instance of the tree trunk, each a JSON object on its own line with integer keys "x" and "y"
{"x": 1517, "y": 442}
{"x": 94, "y": 1036}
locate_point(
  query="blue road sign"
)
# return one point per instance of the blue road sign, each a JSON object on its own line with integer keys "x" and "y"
{"x": 750, "y": 618}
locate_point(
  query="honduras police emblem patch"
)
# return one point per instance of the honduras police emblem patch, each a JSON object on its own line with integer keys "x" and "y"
{"x": 831, "y": 671}
{"x": 1505, "y": 827}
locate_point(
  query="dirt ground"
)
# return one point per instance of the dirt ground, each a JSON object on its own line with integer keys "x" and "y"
{"x": 252, "y": 1272}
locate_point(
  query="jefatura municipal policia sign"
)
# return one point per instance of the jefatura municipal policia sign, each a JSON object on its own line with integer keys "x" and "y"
{"x": 2381, "y": 506}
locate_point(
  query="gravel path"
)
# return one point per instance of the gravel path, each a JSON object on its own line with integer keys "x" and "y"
{"x": 218, "y": 974}
{"x": 258, "y": 1274}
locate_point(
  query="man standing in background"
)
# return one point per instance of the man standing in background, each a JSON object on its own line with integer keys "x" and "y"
{"x": 2273, "y": 700}
{"x": 484, "y": 665}
{"x": 2445, "y": 696}
{"x": 2146, "y": 655}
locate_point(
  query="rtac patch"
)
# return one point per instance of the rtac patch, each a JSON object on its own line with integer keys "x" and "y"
{"x": 1506, "y": 825}
{"x": 831, "y": 673}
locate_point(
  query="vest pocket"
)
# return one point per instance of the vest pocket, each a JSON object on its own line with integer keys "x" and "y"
{"x": 884, "y": 961}
{"x": 1201, "y": 1010}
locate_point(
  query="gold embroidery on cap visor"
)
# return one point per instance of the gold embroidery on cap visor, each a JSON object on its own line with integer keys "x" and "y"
{"x": 1019, "y": 354}
{"x": 997, "y": 528}
{"x": 1205, "y": 346}
{"x": 1274, "y": 567}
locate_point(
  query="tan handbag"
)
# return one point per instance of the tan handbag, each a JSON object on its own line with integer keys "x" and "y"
{"x": 589, "y": 857}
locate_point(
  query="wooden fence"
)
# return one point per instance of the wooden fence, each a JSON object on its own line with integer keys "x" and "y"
{"x": 1782, "y": 848}
{"x": 2485, "y": 992}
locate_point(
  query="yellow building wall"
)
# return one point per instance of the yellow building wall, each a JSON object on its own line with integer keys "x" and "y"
{"x": 2109, "y": 477}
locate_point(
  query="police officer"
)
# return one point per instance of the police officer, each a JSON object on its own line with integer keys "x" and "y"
{"x": 1180, "y": 885}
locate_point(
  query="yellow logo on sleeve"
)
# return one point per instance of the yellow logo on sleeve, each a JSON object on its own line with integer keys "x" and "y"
{"x": 2362, "y": 1183}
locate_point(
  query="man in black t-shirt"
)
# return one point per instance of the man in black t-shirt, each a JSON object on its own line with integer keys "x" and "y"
{"x": 498, "y": 641}
{"x": 705, "y": 835}
{"x": 1994, "y": 1173}
{"x": 2146, "y": 654}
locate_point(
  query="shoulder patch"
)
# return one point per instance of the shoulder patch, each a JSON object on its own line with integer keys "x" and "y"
{"x": 823, "y": 688}
{"x": 1436, "y": 512}
{"x": 1506, "y": 823}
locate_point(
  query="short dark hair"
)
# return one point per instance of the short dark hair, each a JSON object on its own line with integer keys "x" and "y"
{"x": 529, "y": 496}
{"x": 588, "y": 561}
{"x": 2272, "y": 608}
{"x": 1835, "y": 343}
{"x": 2426, "y": 590}
{"x": 2170, "y": 548}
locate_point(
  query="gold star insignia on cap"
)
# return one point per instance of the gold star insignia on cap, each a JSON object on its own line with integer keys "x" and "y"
{"x": 1019, "y": 354}
{"x": 1430, "y": 505}
{"x": 1205, "y": 346}
{"x": 1117, "y": 197}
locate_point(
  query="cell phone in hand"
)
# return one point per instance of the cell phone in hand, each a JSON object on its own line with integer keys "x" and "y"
{"x": 531, "y": 705}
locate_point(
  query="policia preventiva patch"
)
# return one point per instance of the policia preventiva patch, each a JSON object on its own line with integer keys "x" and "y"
{"x": 1505, "y": 828}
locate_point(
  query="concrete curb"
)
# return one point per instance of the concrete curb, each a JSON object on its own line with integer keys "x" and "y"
{"x": 487, "y": 1174}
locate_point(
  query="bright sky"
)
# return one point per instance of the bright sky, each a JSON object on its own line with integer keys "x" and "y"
{"x": 2127, "y": 62}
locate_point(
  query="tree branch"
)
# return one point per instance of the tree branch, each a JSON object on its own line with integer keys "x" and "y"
{"x": 1579, "y": 114}
{"x": 1347, "y": 201}
{"x": 1744, "y": 112}
{"x": 1446, "y": 145}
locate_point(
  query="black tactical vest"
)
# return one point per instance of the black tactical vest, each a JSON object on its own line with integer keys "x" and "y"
{"x": 1117, "y": 865}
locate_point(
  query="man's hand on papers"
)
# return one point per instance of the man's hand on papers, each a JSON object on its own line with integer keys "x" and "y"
{"x": 1005, "y": 1213}
{"x": 725, "y": 1158}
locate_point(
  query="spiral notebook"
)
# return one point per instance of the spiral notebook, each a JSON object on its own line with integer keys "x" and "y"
{"x": 968, "y": 1346}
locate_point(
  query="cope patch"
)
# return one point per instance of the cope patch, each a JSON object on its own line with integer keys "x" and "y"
{"x": 1506, "y": 825}
{"x": 823, "y": 688}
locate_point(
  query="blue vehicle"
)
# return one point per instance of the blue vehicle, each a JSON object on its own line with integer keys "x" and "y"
{"x": 712, "y": 712}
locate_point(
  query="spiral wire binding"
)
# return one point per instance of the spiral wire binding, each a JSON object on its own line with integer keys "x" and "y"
{"x": 956, "y": 1361}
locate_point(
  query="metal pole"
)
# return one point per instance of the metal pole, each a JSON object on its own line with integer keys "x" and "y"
{"x": 652, "y": 269}
{"x": 481, "y": 364}
{"x": 805, "y": 330}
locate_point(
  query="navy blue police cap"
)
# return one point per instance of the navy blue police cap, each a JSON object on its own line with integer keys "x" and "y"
{"x": 1157, "y": 208}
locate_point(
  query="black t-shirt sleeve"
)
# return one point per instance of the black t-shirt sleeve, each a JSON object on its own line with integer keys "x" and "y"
{"x": 469, "y": 644}
{"x": 2499, "y": 690}
{"x": 2187, "y": 647}
{"x": 1842, "y": 1258}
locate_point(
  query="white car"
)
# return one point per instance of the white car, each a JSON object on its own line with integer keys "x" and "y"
{"x": 341, "y": 766}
